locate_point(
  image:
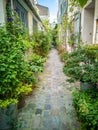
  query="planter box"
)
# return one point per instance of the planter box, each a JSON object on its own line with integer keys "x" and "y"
{"x": 8, "y": 116}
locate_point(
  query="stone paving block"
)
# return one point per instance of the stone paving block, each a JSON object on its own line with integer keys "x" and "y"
{"x": 43, "y": 128}
{"x": 40, "y": 105}
{"x": 55, "y": 106}
{"x": 63, "y": 117}
{"x": 25, "y": 116}
{"x": 31, "y": 105}
{"x": 76, "y": 125}
{"x": 55, "y": 121}
{"x": 65, "y": 126}
{"x": 24, "y": 129}
{"x": 36, "y": 122}
{"x": 48, "y": 97}
{"x": 47, "y": 124}
{"x": 46, "y": 113}
{"x": 47, "y": 106}
{"x": 38, "y": 111}
{"x": 55, "y": 112}
{"x": 24, "y": 124}
{"x": 48, "y": 101}
{"x": 55, "y": 129}
{"x": 35, "y": 129}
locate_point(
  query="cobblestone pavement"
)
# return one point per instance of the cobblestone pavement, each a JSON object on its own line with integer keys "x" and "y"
{"x": 50, "y": 106}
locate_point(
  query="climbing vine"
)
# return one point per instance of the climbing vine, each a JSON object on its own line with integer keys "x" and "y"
{"x": 69, "y": 38}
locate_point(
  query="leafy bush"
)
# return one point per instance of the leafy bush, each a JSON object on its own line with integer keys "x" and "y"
{"x": 42, "y": 44}
{"x": 36, "y": 64}
{"x": 82, "y": 64}
{"x": 13, "y": 68}
{"x": 86, "y": 105}
{"x": 7, "y": 102}
{"x": 11, "y": 63}
{"x": 21, "y": 90}
{"x": 55, "y": 40}
{"x": 30, "y": 77}
{"x": 64, "y": 56}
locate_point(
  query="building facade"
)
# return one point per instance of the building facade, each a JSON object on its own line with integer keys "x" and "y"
{"x": 84, "y": 21}
{"x": 26, "y": 12}
{"x": 43, "y": 12}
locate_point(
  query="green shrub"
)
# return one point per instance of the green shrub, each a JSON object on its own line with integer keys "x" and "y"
{"x": 11, "y": 63}
{"x": 86, "y": 105}
{"x": 21, "y": 90}
{"x": 13, "y": 68}
{"x": 55, "y": 40}
{"x": 7, "y": 102}
{"x": 30, "y": 77}
{"x": 36, "y": 64}
{"x": 82, "y": 64}
{"x": 64, "y": 56}
{"x": 42, "y": 44}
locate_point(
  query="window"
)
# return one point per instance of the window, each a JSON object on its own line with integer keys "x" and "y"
{"x": 21, "y": 11}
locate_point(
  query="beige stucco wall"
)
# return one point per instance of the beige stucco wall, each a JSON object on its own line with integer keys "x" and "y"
{"x": 2, "y": 12}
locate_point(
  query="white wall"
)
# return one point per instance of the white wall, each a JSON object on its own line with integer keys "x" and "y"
{"x": 2, "y": 12}
{"x": 30, "y": 22}
{"x": 87, "y": 25}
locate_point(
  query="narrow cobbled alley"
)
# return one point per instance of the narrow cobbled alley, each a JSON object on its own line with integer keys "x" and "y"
{"x": 50, "y": 106}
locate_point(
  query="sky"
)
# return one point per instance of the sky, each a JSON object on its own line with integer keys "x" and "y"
{"x": 52, "y": 5}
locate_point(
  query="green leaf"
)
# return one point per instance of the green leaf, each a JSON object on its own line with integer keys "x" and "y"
{"x": 82, "y": 2}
